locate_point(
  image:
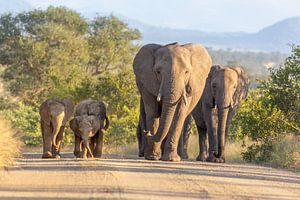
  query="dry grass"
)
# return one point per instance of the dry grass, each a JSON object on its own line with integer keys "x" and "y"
{"x": 9, "y": 143}
{"x": 286, "y": 153}
{"x": 233, "y": 150}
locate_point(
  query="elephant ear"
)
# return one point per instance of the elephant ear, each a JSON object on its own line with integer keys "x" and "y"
{"x": 69, "y": 109}
{"x": 74, "y": 125}
{"x": 208, "y": 97}
{"x": 96, "y": 123}
{"x": 143, "y": 66}
{"x": 44, "y": 112}
{"x": 201, "y": 65}
{"x": 242, "y": 85}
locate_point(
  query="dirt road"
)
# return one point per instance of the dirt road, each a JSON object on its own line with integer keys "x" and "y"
{"x": 132, "y": 178}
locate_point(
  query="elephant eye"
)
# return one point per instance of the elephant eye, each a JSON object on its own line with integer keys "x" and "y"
{"x": 186, "y": 71}
{"x": 158, "y": 71}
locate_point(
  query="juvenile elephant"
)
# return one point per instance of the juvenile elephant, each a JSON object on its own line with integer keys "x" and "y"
{"x": 54, "y": 114}
{"x": 224, "y": 89}
{"x": 89, "y": 124}
{"x": 170, "y": 80}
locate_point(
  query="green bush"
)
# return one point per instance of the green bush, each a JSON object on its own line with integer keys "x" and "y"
{"x": 25, "y": 119}
{"x": 286, "y": 153}
{"x": 270, "y": 114}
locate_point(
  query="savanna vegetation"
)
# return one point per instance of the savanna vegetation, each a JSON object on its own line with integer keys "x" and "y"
{"x": 9, "y": 143}
{"x": 57, "y": 52}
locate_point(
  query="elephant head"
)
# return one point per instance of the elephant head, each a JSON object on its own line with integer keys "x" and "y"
{"x": 175, "y": 76}
{"x": 86, "y": 126}
{"x": 225, "y": 88}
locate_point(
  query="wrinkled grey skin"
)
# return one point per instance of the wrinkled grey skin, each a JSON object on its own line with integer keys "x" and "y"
{"x": 224, "y": 90}
{"x": 54, "y": 114}
{"x": 170, "y": 79}
{"x": 89, "y": 124}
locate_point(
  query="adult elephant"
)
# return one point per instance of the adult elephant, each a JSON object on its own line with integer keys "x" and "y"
{"x": 224, "y": 89}
{"x": 170, "y": 79}
{"x": 90, "y": 117}
{"x": 54, "y": 114}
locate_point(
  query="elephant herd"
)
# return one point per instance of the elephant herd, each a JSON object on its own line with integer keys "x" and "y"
{"x": 176, "y": 83}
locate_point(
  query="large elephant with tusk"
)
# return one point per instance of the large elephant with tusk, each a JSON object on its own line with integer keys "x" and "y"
{"x": 170, "y": 79}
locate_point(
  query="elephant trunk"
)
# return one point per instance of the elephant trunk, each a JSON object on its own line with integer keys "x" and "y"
{"x": 168, "y": 111}
{"x": 222, "y": 123}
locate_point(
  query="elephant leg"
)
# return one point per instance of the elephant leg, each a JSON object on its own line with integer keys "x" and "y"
{"x": 47, "y": 140}
{"x": 170, "y": 153}
{"x": 139, "y": 134}
{"x": 99, "y": 145}
{"x": 152, "y": 149}
{"x": 231, "y": 113}
{"x": 180, "y": 146}
{"x": 59, "y": 137}
{"x": 186, "y": 132}
{"x": 212, "y": 136}
{"x": 202, "y": 132}
{"x": 77, "y": 150}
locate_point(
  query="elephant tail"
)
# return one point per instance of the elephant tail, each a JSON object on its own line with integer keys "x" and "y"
{"x": 106, "y": 123}
{"x": 57, "y": 122}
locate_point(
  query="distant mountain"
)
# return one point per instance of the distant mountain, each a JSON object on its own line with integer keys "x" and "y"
{"x": 276, "y": 37}
{"x": 14, "y": 6}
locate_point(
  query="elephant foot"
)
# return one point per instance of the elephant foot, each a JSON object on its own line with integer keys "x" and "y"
{"x": 201, "y": 158}
{"x": 141, "y": 154}
{"x": 77, "y": 154}
{"x": 172, "y": 156}
{"x": 97, "y": 155}
{"x": 47, "y": 154}
{"x": 212, "y": 158}
{"x": 153, "y": 152}
{"x": 220, "y": 160}
{"x": 152, "y": 157}
{"x": 185, "y": 155}
{"x": 58, "y": 156}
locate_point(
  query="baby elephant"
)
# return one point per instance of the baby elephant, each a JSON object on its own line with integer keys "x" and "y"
{"x": 89, "y": 124}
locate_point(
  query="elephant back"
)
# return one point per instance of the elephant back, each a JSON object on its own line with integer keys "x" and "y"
{"x": 51, "y": 108}
{"x": 90, "y": 107}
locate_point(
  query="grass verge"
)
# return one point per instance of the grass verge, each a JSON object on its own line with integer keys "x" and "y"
{"x": 9, "y": 143}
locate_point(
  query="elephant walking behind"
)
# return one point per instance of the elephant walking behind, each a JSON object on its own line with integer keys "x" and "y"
{"x": 54, "y": 114}
{"x": 225, "y": 88}
{"x": 89, "y": 125}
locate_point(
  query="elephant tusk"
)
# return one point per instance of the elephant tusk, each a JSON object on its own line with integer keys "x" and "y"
{"x": 184, "y": 99}
{"x": 158, "y": 97}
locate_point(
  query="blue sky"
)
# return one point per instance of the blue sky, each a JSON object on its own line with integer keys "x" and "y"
{"x": 206, "y": 15}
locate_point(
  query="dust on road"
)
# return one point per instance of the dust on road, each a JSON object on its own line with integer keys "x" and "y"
{"x": 133, "y": 178}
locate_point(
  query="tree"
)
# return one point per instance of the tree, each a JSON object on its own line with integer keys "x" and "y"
{"x": 272, "y": 112}
{"x": 283, "y": 86}
{"x": 112, "y": 44}
{"x": 44, "y": 52}
{"x": 56, "y": 52}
